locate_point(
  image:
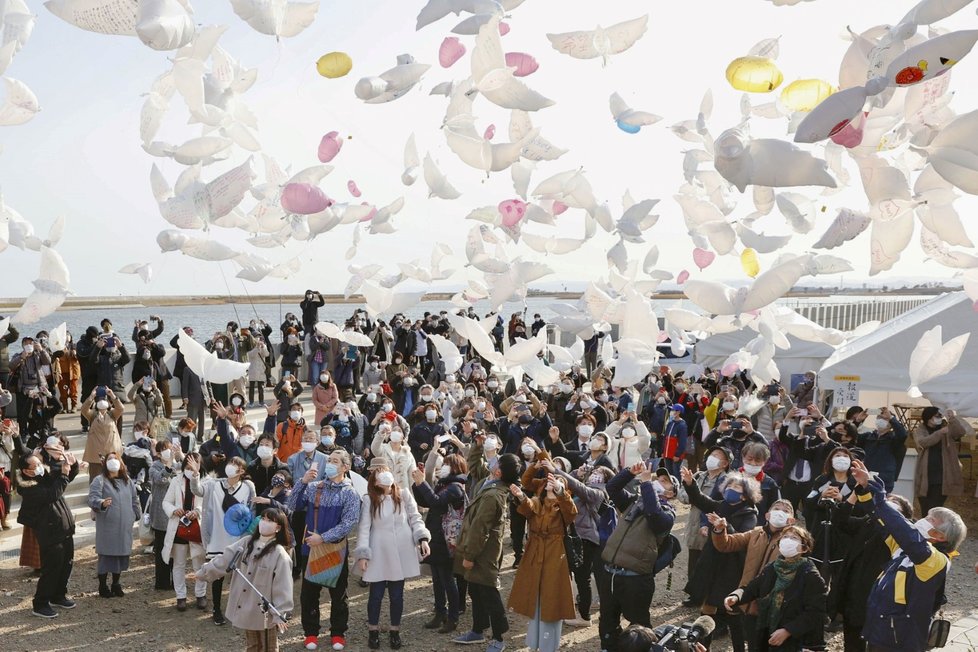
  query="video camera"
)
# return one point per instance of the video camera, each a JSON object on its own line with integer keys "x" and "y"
{"x": 684, "y": 637}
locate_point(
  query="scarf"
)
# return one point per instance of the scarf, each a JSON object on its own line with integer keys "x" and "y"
{"x": 770, "y": 606}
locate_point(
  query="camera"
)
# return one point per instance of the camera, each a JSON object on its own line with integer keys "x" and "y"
{"x": 184, "y": 521}
{"x": 681, "y": 638}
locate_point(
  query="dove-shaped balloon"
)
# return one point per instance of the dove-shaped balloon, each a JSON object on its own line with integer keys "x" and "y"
{"x": 50, "y": 289}
{"x": 144, "y": 270}
{"x": 745, "y": 161}
{"x": 19, "y": 103}
{"x": 954, "y": 152}
{"x": 438, "y": 185}
{"x": 206, "y": 364}
{"x": 932, "y": 358}
{"x": 393, "y": 83}
{"x": 278, "y": 17}
{"x": 412, "y": 162}
{"x": 721, "y": 299}
{"x": 494, "y": 80}
{"x": 601, "y": 42}
{"x": 629, "y": 120}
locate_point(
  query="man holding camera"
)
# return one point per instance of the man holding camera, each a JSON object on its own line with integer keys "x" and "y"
{"x": 27, "y": 377}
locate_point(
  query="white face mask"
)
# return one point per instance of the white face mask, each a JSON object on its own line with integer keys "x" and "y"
{"x": 387, "y": 407}
{"x": 752, "y": 469}
{"x": 385, "y": 478}
{"x": 660, "y": 401}
{"x": 397, "y": 436}
{"x": 374, "y": 365}
{"x": 841, "y": 463}
{"x": 777, "y": 518}
{"x": 924, "y": 527}
{"x": 774, "y": 400}
{"x": 595, "y": 444}
{"x": 713, "y": 463}
{"x": 308, "y": 446}
{"x": 146, "y": 355}
{"x": 267, "y": 528}
{"x": 28, "y": 349}
{"x": 113, "y": 465}
{"x": 566, "y": 388}
{"x": 166, "y": 455}
{"x": 936, "y": 421}
{"x": 450, "y": 378}
{"x": 491, "y": 444}
{"x": 323, "y": 378}
{"x": 789, "y": 547}
{"x": 527, "y": 450}
{"x": 295, "y": 415}
{"x": 426, "y": 397}
{"x": 882, "y": 424}
{"x": 219, "y": 346}
{"x": 231, "y": 471}
{"x": 469, "y": 393}
{"x": 729, "y": 406}
{"x": 430, "y": 415}
{"x": 188, "y": 474}
{"x": 265, "y": 452}
{"x": 492, "y": 384}
{"x": 246, "y": 440}
{"x": 444, "y": 471}
{"x": 371, "y": 396}
{"x": 659, "y": 489}
{"x": 628, "y": 433}
{"x": 102, "y": 405}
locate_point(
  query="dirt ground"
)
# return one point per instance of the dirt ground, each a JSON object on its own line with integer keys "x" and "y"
{"x": 147, "y": 620}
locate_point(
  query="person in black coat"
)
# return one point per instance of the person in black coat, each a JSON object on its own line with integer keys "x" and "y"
{"x": 821, "y": 508}
{"x": 44, "y": 510}
{"x": 87, "y": 358}
{"x": 791, "y": 598}
{"x": 448, "y": 495}
{"x": 865, "y": 559}
{"x": 718, "y": 573}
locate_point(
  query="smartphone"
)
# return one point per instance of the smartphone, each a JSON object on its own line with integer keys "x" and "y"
{"x": 7, "y": 423}
{"x": 101, "y": 391}
{"x": 441, "y": 439}
{"x": 803, "y": 412}
{"x": 696, "y": 388}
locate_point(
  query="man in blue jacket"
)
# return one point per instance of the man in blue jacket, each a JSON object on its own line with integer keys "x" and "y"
{"x": 885, "y": 447}
{"x": 911, "y": 588}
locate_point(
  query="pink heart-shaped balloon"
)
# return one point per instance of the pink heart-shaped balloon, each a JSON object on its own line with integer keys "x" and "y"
{"x": 503, "y": 29}
{"x": 351, "y": 185}
{"x": 451, "y": 50}
{"x": 490, "y": 132}
{"x": 524, "y": 63}
{"x": 703, "y": 258}
{"x": 850, "y": 135}
{"x": 683, "y": 277}
{"x": 330, "y": 146}
{"x": 512, "y": 211}
{"x": 559, "y": 207}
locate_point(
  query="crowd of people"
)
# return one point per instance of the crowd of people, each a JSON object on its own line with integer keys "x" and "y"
{"x": 792, "y": 529}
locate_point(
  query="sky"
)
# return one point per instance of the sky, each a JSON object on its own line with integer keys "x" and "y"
{"x": 81, "y": 156}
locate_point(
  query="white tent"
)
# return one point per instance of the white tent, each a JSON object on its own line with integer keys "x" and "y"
{"x": 881, "y": 360}
{"x": 801, "y": 357}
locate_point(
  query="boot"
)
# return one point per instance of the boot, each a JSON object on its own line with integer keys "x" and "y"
{"x": 395, "y": 639}
{"x": 448, "y": 626}
{"x": 103, "y": 587}
{"x": 436, "y": 621}
{"x": 117, "y": 591}
{"x": 373, "y": 639}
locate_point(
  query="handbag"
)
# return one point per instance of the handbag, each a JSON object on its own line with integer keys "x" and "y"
{"x": 326, "y": 560}
{"x": 939, "y": 630}
{"x": 190, "y": 532}
{"x": 573, "y": 548}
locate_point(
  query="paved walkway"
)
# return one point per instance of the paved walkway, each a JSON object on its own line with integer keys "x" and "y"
{"x": 964, "y": 634}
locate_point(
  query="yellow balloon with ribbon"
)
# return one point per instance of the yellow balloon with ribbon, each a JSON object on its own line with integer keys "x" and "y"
{"x": 805, "y": 94}
{"x": 754, "y": 74}
{"x": 749, "y": 263}
{"x": 334, "y": 64}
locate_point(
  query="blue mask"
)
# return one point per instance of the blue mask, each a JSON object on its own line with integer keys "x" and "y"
{"x": 732, "y": 496}
{"x": 330, "y": 470}
{"x": 327, "y": 441}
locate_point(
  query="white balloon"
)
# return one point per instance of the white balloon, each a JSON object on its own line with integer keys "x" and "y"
{"x": 494, "y": 79}
{"x": 933, "y": 358}
{"x": 745, "y": 161}
{"x": 19, "y": 105}
{"x": 164, "y": 24}
{"x": 438, "y": 185}
{"x": 623, "y": 114}
{"x": 600, "y": 42}
{"x": 276, "y": 17}
{"x": 145, "y": 271}
{"x": 50, "y": 289}
{"x": 847, "y": 225}
{"x": 207, "y": 365}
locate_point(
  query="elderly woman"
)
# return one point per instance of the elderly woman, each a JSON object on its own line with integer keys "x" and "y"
{"x": 112, "y": 496}
{"x": 938, "y": 473}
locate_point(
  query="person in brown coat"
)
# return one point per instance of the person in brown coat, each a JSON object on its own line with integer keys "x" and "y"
{"x": 103, "y": 432}
{"x": 938, "y": 473}
{"x": 542, "y": 588}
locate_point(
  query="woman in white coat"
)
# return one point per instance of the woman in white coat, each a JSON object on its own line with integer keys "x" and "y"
{"x": 629, "y": 441}
{"x": 183, "y": 507}
{"x": 391, "y": 540}
{"x": 389, "y": 445}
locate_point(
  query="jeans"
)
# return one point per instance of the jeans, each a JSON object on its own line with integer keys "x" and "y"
{"x": 488, "y": 610}
{"x": 260, "y": 387}
{"x": 673, "y": 466}
{"x": 180, "y": 553}
{"x": 443, "y": 584}
{"x": 57, "y": 560}
{"x": 315, "y": 368}
{"x": 582, "y": 578}
{"x": 622, "y": 595}
{"x": 163, "y": 568}
{"x": 339, "y": 606}
{"x": 517, "y": 531}
{"x": 396, "y": 592}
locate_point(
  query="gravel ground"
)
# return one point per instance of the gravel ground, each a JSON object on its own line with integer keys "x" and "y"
{"x": 147, "y": 620}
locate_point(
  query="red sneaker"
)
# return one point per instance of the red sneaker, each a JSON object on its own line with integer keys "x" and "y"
{"x": 339, "y": 643}
{"x": 312, "y": 642}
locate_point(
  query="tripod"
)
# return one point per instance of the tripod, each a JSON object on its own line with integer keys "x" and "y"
{"x": 266, "y": 604}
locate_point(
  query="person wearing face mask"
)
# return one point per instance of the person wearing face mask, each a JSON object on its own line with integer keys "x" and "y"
{"x": 708, "y": 483}
{"x": 310, "y": 306}
{"x": 181, "y": 509}
{"x": 27, "y": 376}
{"x": 422, "y": 438}
{"x": 254, "y": 350}
{"x": 103, "y": 434}
{"x": 148, "y": 360}
{"x": 632, "y": 553}
{"x": 718, "y": 573}
{"x": 369, "y": 406}
{"x": 373, "y": 374}
{"x": 733, "y": 434}
{"x": 938, "y": 471}
{"x": 759, "y": 546}
{"x": 911, "y": 588}
{"x": 44, "y": 510}
{"x": 522, "y": 424}
{"x": 318, "y": 357}
{"x": 266, "y": 463}
{"x": 6, "y": 340}
{"x": 630, "y": 440}
{"x": 111, "y": 359}
{"x": 68, "y": 373}
{"x": 446, "y": 503}
{"x": 790, "y": 596}
{"x": 754, "y": 456}
{"x": 773, "y": 412}
{"x": 803, "y": 440}
{"x": 286, "y": 392}
{"x": 290, "y": 351}
{"x": 112, "y": 496}
{"x": 391, "y": 538}
{"x": 658, "y": 414}
{"x": 276, "y": 496}
{"x": 220, "y": 495}
{"x": 823, "y": 511}
{"x": 674, "y": 437}
{"x": 389, "y": 445}
{"x": 332, "y": 512}
{"x": 147, "y": 399}
{"x": 308, "y": 462}
{"x": 289, "y": 432}
{"x": 264, "y": 558}
{"x": 161, "y": 473}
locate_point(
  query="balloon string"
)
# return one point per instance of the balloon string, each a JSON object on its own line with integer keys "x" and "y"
{"x": 230, "y": 298}
{"x": 248, "y": 294}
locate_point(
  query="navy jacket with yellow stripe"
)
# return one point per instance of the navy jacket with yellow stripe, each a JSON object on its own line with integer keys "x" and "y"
{"x": 911, "y": 587}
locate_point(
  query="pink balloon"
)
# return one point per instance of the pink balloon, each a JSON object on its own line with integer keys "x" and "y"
{"x": 351, "y": 185}
{"x": 330, "y": 146}
{"x": 730, "y": 369}
{"x": 371, "y": 215}
{"x": 304, "y": 199}
{"x": 512, "y": 211}
{"x": 503, "y": 29}
{"x": 490, "y": 132}
{"x": 851, "y": 134}
{"x": 974, "y": 306}
{"x": 683, "y": 277}
{"x": 703, "y": 258}
{"x": 523, "y": 62}
{"x": 559, "y": 207}
{"x": 451, "y": 50}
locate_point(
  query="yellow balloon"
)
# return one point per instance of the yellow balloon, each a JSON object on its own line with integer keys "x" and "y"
{"x": 334, "y": 64}
{"x": 748, "y": 261}
{"x": 805, "y": 94}
{"x": 754, "y": 74}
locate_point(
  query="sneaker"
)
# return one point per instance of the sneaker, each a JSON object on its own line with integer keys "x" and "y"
{"x": 311, "y": 643}
{"x": 63, "y": 603}
{"x": 218, "y": 618}
{"x": 578, "y": 622}
{"x": 181, "y": 604}
{"x": 44, "y": 612}
{"x": 469, "y": 638}
{"x": 339, "y": 642}
{"x": 496, "y": 646}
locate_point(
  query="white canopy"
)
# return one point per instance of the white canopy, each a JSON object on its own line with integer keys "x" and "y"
{"x": 881, "y": 360}
{"x": 801, "y": 357}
